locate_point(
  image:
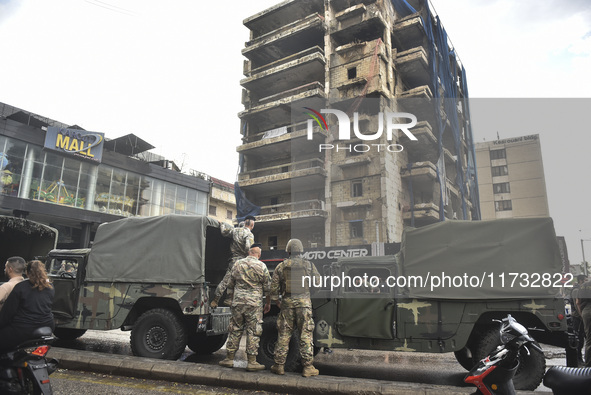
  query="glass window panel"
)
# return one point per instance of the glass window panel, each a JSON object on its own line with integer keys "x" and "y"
{"x": 103, "y": 188}
{"x": 145, "y": 200}
{"x": 201, "y": 203}
{"x": 180, "y": 206}
{"x": 192, "y": 202}
{"x": 69, "y": 188}
{"x": 51, "y": 184}
{"x": 117, "y": 195}
{"x": 131, "y": 194}
{"x": 169, "y": 198}
{"x": 12, "y": 160}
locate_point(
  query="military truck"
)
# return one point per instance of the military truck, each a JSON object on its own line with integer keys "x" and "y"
{"x": 28, "y": 239}
{"x": 400, "y": 303}
{"x": 152, "y": 276}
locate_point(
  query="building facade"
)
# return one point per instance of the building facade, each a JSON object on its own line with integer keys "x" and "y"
{"x": 316, "y": 69}
{"x": 74, "y": 188}
{"x": 222, "y": 202}
{"x": 511, "y": 178}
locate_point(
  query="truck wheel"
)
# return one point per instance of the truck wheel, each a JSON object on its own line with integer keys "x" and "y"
{"x": 531, "y": 367}
{"x": 267, "y": 346}
{"x": 158, "y": 333}
{"x": 68, "y": 333}
{"x": 464, "y": 357}
{"x": 202, "y": 344}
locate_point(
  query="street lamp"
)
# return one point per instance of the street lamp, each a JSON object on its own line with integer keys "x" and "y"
{"x": 585, "y": 271}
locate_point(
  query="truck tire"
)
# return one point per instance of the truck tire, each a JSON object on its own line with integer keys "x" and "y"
{"x": 202, "y": 344}
{"x": 68, "y": 333}
{"x": 531, "y": 367}
{"x": 158, "y": 333}
{"x": 464, "y": 358}
{"x": 267, "y": 346}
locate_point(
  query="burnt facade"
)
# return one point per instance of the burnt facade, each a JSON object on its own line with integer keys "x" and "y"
{"x": 316, "y": 69}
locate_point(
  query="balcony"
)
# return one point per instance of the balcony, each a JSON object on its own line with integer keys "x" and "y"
{"x": 287, "y": 74}
{"x": 274, "y": 111}
{"x": 408, "y": 32}
{"x": 413, "y": 66}
{"x": 283, "y": 141}
{"x": 424, "y": 214}
{"x": 282, "y": 14}
{"x": 424, "y": 177}
{"x": 306, "y": 175}
{"x": 285, "y": 41}
{"x": 363, "y": 22}
{"x": 292, "y": 211}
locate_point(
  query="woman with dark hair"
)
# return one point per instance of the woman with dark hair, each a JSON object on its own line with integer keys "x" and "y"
{"x": 27, "y": 308}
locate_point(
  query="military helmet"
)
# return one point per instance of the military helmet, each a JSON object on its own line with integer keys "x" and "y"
{"x": 294, "y": 246}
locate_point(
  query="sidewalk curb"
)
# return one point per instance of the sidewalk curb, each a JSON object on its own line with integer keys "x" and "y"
{"x": 211, "y": 375}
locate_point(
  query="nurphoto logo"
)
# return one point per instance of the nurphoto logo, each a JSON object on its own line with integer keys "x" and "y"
{"x": 390, "y": 119}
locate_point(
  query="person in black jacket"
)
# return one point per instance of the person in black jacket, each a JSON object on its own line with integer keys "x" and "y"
{"x": 27, "y": 308}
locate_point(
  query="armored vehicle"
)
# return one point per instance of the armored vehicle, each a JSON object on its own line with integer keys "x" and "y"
{"x": 442, "y": 293}
{"x": 152, "y": 276}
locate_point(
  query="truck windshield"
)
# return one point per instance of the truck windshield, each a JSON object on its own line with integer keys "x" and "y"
{"x": 65, "y": 268}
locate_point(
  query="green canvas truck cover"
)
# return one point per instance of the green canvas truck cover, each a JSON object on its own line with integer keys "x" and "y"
{"x": 163, "y": 249}
{"x": 487, "y": 251}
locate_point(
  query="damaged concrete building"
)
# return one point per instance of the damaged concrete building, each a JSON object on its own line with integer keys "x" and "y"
{"x": 316, "y": 70}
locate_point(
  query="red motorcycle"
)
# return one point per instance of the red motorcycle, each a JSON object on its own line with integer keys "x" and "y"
{"x": 494, "y": 374}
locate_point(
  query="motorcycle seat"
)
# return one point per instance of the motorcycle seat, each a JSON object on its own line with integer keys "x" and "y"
{"x": 566, "y": 380}
{"x": 42, "y": 332}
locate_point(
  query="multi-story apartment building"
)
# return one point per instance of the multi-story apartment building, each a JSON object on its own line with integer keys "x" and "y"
{"x": 316, "y": 67}
{"x": 511, "y": 178}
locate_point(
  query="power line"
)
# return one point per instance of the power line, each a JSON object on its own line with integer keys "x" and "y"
{"x": 111, "y": 7}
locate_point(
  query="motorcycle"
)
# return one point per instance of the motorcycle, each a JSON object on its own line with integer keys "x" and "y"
{"x": 494, "y": 374}
{"x": 26, "y": 370}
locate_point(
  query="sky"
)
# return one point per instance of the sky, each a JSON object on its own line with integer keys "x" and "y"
{"x": 170, "y": 73}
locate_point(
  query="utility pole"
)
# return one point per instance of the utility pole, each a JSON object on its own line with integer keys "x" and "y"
{"x": 585, "y": 269}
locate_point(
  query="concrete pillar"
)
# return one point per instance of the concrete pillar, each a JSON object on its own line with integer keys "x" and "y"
{"x": 92, "y": 179}
{"x": 25, "y": 184}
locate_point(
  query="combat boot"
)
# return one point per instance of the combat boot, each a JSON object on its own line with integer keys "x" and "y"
{"x": 253, "y": 365}
{"x": 278, "y": 369}
{"x": 229, "y": 361}
{"x": 310, "y": 370}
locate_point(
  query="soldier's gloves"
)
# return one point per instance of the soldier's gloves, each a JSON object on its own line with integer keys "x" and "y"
{"x": 213, "y": 304}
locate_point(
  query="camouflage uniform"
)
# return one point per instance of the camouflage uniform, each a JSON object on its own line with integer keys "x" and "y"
{"x": 250, "y": 279}
{"x": 242, "y": 240}
{"x": 296, "y": 307}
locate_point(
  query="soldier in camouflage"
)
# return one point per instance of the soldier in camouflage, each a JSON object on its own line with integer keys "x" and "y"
{"x": 296, "y": 307}
{"x": 250, "y": 280}
{"x": 242, "y": 240}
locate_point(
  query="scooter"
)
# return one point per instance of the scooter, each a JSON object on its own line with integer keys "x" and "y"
{"x": 26, "y": 370}
{"x": 494, "y": 374}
